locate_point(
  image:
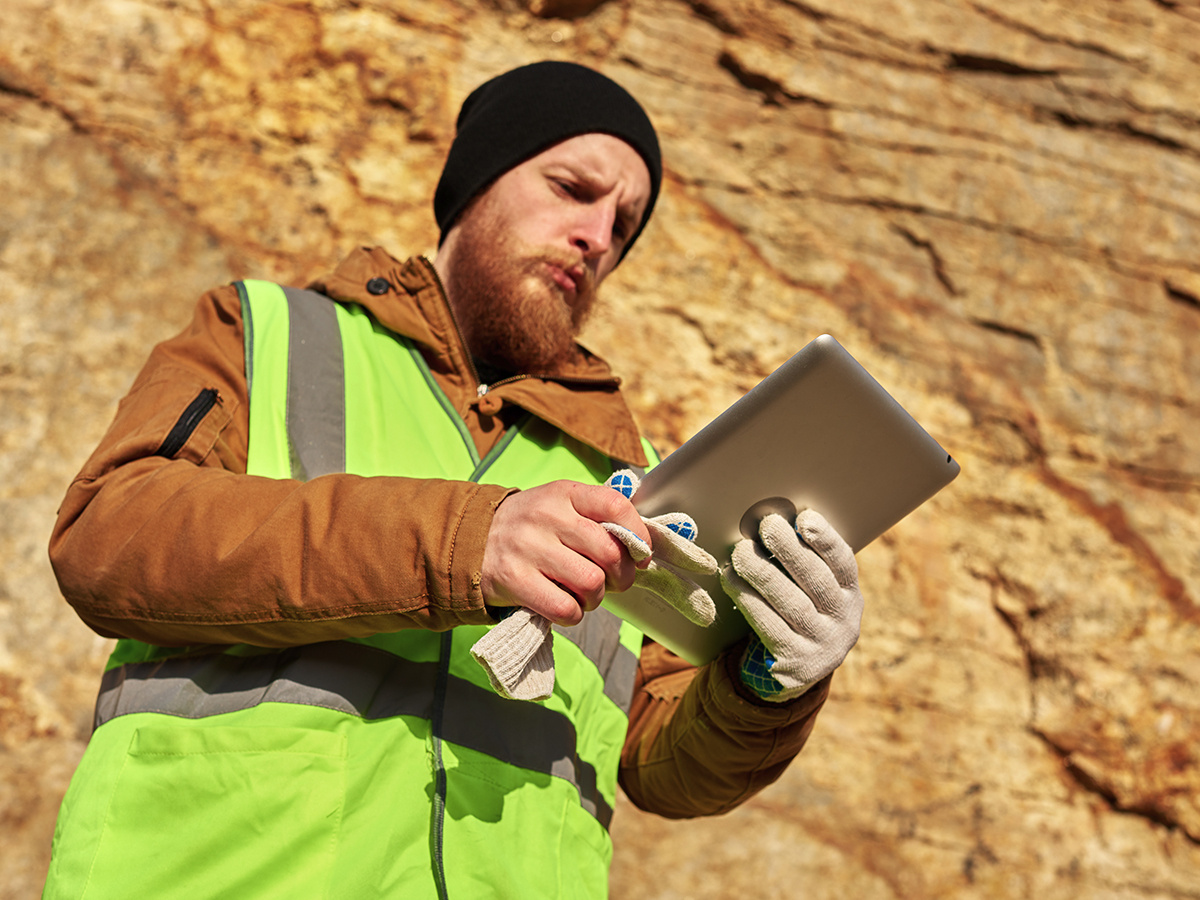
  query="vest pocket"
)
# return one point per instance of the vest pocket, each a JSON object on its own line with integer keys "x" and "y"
{"x": 220, "y": 811}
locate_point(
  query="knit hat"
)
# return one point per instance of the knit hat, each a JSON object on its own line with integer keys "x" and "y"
{"x": 517, "y": 115}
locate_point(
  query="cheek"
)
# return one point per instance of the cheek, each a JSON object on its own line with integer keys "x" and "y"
{"x": 548, "y": 227}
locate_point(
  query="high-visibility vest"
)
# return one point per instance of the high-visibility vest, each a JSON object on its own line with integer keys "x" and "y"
{"x": 380, "y": 767}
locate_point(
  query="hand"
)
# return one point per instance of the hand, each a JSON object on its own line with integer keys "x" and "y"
{"x": 517, "y": 653}
{"x": 806, "y": 611}
{"x": 547, "y": 551}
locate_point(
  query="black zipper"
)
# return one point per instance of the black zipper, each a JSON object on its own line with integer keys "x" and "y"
{"x": 187, "y": 423}
{"x": 437, "y": 824}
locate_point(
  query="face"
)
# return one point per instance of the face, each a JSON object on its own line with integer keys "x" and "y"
{"x": 522, "y": 263}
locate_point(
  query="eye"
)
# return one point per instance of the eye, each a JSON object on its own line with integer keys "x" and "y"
{"x": 568, "y": 188}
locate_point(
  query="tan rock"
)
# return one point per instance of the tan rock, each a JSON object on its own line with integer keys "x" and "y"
{"x": 995, "y": 206}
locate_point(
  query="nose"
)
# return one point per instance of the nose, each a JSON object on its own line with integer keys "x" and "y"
{"x": 592, "y": 233}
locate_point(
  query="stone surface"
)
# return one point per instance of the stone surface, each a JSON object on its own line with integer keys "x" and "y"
{"x": 995, "y": 206}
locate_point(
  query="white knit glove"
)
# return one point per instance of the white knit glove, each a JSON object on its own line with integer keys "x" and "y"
{"x": 517, "y": 653}
{"x": 675, "y": 556}
{"x": 518, "y": 656}
{"x": 801, "y": 597}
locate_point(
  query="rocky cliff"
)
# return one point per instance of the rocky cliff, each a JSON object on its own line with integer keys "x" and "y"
{"x": 994, "y": 205}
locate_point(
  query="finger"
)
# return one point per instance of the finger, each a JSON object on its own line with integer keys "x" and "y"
{"x": 605, "y": 526}
{"x": 545, "y": 597}
{"x": 807, "y": 569}
{"x": 625, "y": 482}
{"x": 603, "y": 504}
{"x": 554, "y": 601}
{"x": 684, "y": 595}
{"x": 578, "y": 575}
{"x": 638, "y": 549}
{"x": 596, "y": 548}
{"x": 766, "y": 621}
{"x": 829, "y": 545}
{"x": 671, "y": 547}
{"x": 557, "y": 583}
{"x": 794, "y": 607}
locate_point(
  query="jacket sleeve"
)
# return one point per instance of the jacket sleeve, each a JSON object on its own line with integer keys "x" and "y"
{"x": 163, "y": 537}
{"x": 699, "y": 742}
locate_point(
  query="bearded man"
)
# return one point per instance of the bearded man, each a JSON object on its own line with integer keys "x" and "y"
{"x": 313, "y": 503}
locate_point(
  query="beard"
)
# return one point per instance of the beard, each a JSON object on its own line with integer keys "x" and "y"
{"x": 514, "y": 316}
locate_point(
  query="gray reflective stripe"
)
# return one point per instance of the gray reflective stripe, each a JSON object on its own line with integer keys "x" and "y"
{"x": 361, "y": 681}
{"x": 316, "y": 392}
{"x": 599, "y": 637}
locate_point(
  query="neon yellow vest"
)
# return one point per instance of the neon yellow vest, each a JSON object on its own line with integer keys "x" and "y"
{"x": 384, "y": 767}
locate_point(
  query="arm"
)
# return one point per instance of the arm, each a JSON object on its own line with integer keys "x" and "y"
{"x": 700, "y": 742}
{"x": 708, "y": 747}
{"x": 188, "y": 549}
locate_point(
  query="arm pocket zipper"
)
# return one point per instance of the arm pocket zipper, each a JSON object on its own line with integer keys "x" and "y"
{"x": 187, "y": 423}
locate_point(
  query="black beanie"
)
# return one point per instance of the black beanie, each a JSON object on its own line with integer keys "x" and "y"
{"x": 517, "y": 115}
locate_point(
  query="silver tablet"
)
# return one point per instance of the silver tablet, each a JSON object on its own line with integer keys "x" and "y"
{"x": 819, "y": 432}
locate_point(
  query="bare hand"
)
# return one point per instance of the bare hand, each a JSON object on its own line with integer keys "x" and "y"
{"x": 547, "y": 551}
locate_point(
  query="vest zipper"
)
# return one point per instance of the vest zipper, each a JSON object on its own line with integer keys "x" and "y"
{"x": 438, "y": 814}
{"x": 187, "y": 423}
{"x": 438, "y": 811}
{"x": 440, "y": 786}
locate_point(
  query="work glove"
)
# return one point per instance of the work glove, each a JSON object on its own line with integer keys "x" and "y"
{"x": 676, "y": 555}
{"x": 517, "y": 654}
{"x": 798, "y": 589}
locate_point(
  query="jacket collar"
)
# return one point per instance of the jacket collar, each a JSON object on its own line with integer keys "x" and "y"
{"x": 583, "y": 400}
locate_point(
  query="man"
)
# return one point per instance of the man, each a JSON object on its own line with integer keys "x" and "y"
{"x": 307, "y": 512}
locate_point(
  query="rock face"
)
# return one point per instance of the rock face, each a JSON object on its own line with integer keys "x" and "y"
{"x": 994, "y": 205}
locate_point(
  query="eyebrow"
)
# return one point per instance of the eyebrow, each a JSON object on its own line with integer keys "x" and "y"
{"x": 589, "y": 176}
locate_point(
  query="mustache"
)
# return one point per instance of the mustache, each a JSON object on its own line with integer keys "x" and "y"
{"x": 571, "y": 263}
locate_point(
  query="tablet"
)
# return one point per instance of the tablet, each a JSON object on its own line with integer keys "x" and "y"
{"x": 820, "y": 433}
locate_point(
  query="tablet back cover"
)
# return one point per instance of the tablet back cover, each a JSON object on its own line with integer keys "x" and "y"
{"x": 819, "y": 432}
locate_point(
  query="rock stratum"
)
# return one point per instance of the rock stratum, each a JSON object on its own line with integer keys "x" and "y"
{"x": 994, "y": 205}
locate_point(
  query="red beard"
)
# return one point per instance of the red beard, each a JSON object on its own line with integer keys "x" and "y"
{"x": 513, "y": 314}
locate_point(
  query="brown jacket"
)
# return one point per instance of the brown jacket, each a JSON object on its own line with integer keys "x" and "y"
{"x": 176, "y": 545}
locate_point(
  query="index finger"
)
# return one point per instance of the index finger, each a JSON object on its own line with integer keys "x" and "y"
{"x": 603, "y": 504}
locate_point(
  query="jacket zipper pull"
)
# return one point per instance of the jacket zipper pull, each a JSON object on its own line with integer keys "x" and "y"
{"x": 480, "y": 390}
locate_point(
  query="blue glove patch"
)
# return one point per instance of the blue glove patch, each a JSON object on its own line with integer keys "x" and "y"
{"x": 684, "y": 529}
{"x": 756, "y": 670}
{"x": 623, "y": 483}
